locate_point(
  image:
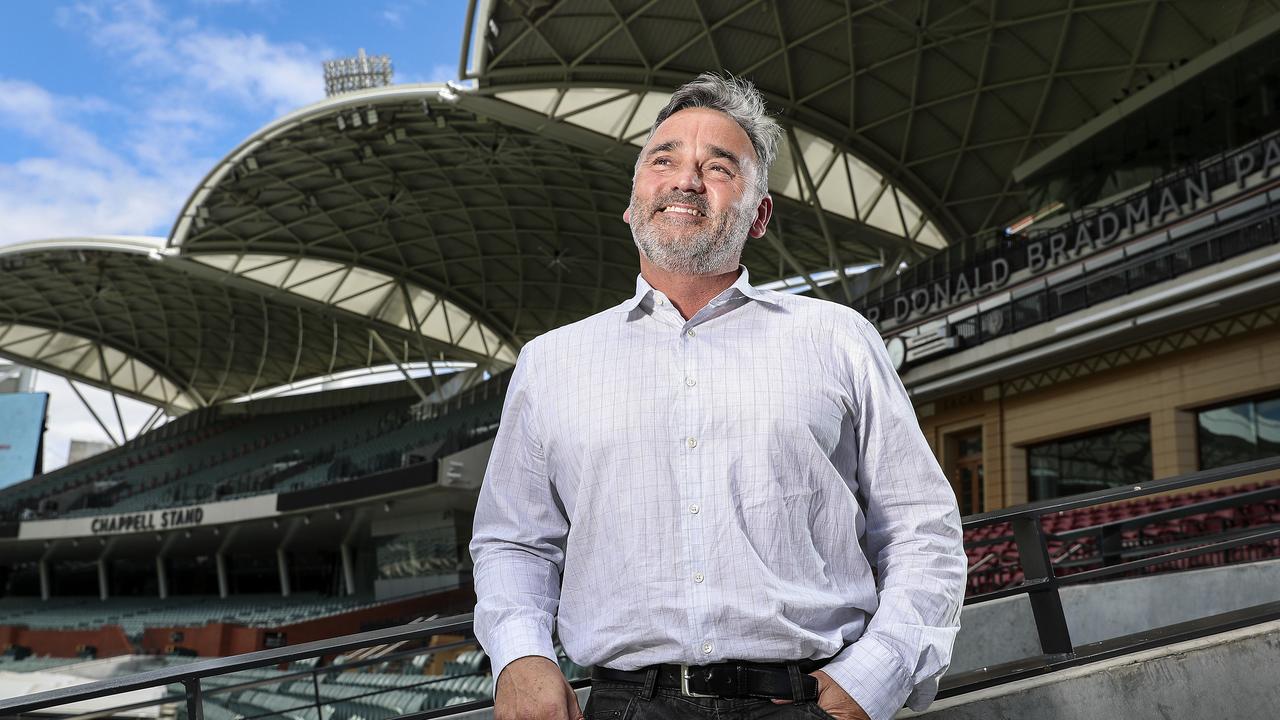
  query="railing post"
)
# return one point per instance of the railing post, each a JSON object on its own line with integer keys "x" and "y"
{"x": 1110, "y": 544}
{"x": 195, "y": 702}
{"x": 1046, "y": 604}
{"x": 315, "y": 688}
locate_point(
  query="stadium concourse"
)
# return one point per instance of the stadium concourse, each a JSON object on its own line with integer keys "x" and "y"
{"x": 1063, "y": 217}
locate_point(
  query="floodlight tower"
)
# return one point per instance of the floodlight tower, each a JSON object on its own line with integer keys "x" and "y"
{"x": 356, "y": 73}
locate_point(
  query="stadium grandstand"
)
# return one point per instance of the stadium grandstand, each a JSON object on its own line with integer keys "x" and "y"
{"x": 1064, "y": 219}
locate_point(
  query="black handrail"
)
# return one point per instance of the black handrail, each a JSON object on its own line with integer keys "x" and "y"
{"x": 191, "y": 673}
{"x": 1117, "y": 494}
{"x": 1040, "y": 585}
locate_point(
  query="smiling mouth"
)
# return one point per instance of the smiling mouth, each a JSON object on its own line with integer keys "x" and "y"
{"x": 681, "y": 211}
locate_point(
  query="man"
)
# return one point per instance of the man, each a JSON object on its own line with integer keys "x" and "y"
{"x": 694, "y": 486}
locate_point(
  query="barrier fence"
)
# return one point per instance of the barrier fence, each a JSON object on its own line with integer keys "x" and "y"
{"x": 1040, "y": 583}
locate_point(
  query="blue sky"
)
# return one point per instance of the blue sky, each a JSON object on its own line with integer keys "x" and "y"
{"x": 111, "y": 111}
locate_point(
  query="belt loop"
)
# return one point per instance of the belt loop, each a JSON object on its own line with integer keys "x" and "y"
{"x": 650, "y": 683}
{"x": 797, "y": 682}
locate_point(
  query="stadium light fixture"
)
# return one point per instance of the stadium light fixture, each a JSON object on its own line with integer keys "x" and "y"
{"x": 361, "y": 72}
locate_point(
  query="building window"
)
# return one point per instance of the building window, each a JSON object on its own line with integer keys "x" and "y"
{"x": 1242, "y": 431}
{"x": 1106, "y": 458}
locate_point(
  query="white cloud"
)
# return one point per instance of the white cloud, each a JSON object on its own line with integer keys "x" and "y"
{"x": 186, "y": 90}
{"x": 71, "y": 183}
{"x": 246, "y": 67}
{"x": 40, "y": 115}
{"x": 254, "y": 70}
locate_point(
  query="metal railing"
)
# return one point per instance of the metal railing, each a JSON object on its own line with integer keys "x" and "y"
{"x": 1040, "y": 583}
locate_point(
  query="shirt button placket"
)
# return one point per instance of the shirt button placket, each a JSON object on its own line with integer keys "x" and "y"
{"x": 691, "y": 407}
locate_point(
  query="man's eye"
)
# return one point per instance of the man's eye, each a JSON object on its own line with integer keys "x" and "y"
{"x": 722, "y": 169}
{"x": 662, "y": 161}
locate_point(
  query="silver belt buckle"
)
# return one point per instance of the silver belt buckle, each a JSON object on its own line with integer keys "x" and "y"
{"x": 684, "y": 684}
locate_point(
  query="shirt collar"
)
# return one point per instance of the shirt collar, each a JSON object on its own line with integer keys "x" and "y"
{"x": 741, "y": 286}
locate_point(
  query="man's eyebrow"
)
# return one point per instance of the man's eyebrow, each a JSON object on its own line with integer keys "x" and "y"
{"x": 664, "y": 147}
{"x": 717, "y": 151}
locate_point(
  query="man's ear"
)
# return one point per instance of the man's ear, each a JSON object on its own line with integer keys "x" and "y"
{"x": 764, "y": 211}
{"x": 626, "y": 215}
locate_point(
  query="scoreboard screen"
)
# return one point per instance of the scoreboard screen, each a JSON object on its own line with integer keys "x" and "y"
{"x": 21, "y": 430}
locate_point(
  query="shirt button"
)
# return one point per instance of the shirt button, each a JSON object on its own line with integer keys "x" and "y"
{"x": 660, "y": 302}
{"x": 691, "y": 442}
{"x": 690, "y": 332}
{"x": 707, "y": 648}
{"x": 690, "y": 382}
{"x": 697, "y": 577}
{"x": 694, "y": 508}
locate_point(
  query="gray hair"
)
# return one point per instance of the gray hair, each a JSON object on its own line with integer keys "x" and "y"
{"x": 737, "y": 98}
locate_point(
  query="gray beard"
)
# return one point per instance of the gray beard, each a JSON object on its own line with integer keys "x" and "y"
{"x": 714, "y": 249}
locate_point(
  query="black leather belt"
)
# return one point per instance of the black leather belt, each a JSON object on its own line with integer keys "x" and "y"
{"x": 724, "y": 680}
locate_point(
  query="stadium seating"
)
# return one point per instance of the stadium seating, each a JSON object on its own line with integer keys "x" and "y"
{"x": 209, "y": 456}
{"x": 35, "y": 664}
{"x": 994, "y": 560}
{"x": 364, "y": 693}
{"x": 134, "y": 614}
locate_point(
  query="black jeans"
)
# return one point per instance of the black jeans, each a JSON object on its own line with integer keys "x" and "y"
{"x": 627, "y": 701}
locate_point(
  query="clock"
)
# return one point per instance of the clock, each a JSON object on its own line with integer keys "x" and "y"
{"x": 897, "y": 351}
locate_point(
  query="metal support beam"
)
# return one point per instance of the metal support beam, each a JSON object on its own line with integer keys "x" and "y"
{"x": 102, "y": 579}
{"x": 779, "y": 243}
{"x": 162, "y": 578}
{"x": 220, "y": 564}
{"x": 151, "y": 421}
{"x": 798, "y": 158}
{"x": 422, "y": 342}
{"x": 382, "y": 344}
{"x": 45, "y": 585}
{"x": 114, "y": 443}
{"x": 1046, "y": 603}
{"x": 195, "y": 699}
{"x": 115, "y": 401}
{"x": 348, "y": 569}
{"x": 282, "y": 564}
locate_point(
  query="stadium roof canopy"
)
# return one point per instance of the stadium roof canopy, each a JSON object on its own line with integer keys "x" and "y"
{"x": 939, "y": 101}
{"x": 503, "y": 229}
{"x": 117, "y": 313}
{"x": 422, "y": 222}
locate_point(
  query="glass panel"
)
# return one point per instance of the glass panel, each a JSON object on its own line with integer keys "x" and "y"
{"x": 1108, "y": 458}
{"x": 1227, "y": 435}
{"x": 1043, "y": 470}
{"x": 1028, "y": 310}
{"x": 1067, "y": 300}
{"x": 1107, "y": 287}
{"x": 969, "y": 445}
{"x": 1267, "y": 413}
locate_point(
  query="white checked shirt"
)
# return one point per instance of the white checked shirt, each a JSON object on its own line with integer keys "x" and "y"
{"x": 719, "y": 489}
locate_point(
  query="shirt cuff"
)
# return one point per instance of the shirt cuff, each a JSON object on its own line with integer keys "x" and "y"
{"x": 873, "y": 676}
{"x": 519, "y": 640}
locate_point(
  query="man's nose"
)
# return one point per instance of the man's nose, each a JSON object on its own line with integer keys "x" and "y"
{"x": 689, "y": 179}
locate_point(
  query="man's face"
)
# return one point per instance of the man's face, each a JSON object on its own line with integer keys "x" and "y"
{"x": 694, "y": 200}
